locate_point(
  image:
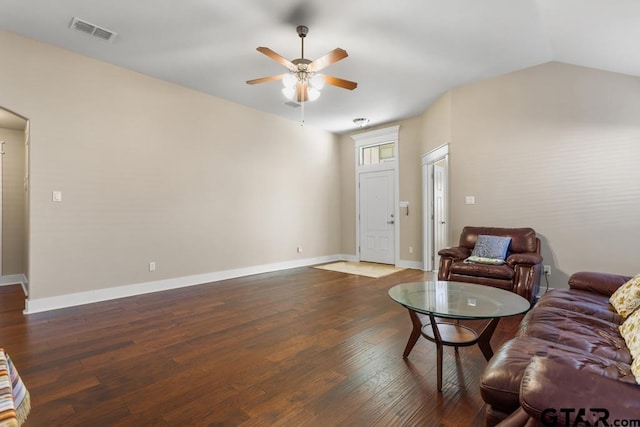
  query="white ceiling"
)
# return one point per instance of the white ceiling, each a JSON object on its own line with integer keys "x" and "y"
{"x": 403, "y": 54}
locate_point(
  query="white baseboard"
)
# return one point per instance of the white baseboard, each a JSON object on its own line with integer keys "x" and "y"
{"x": 37, "y": 305}
{"x": 16, "y": 279}
{"x": 410, "y": 264}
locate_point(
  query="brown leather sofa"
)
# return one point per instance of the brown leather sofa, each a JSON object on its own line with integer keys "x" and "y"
{"x": 520, "y": 274}
{"x": 567, "y": 362}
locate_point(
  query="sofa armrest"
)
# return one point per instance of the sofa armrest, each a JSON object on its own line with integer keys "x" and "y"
{"x": 554, "y": 392}
{"x": 526, "y": 258}
{"x": 456, "y": 252}
{"x": 598, "y": 283}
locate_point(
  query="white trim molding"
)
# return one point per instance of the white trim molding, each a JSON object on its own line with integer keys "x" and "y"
{"x": 378, "y": 136}
{"x": 37, "y": 305}
{"x": 428, "y": 160}
{"x": 416, "y": 265}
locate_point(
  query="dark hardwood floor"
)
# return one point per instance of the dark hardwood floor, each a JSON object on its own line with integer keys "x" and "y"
{"x": 302, "y": 347}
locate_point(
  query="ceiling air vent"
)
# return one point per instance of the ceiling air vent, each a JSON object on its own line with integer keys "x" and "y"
{"x": 91, "y": 29}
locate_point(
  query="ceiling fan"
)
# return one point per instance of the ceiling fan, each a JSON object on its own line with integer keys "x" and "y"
{"x": 303, "y": 82}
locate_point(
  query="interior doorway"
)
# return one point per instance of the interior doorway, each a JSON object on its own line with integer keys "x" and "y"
{"x": 14, "y": 167}
{"x": 435, "y": 185}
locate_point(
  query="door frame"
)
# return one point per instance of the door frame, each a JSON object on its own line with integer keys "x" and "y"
{"x": 21, "y": 278}
{"x": 428, "y": 160}
{"x": 386, "y": 135}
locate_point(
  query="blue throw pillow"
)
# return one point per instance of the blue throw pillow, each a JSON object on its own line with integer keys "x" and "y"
{"x": 491, "y": 247}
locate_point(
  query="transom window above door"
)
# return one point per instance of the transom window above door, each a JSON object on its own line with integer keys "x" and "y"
{"x": 375, "y": 154}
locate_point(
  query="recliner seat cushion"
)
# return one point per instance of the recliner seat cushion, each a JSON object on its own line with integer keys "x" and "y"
{"x": 503, "y": 272}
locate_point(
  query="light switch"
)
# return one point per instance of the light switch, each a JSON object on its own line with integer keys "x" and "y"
{"x": 57, "y": 196}
{"x": 470, "y": 200}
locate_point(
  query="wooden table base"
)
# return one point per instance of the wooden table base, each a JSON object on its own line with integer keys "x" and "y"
{"x": 450, "y": 334}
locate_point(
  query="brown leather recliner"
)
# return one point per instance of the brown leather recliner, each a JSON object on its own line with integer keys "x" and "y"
{"x": 520, "y": 273}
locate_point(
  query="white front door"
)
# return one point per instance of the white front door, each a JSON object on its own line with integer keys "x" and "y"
{"x": 377, "y": 222}
{"x": 439, "y": 212}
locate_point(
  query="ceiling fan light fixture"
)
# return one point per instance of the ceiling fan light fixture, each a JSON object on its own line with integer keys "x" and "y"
{"x": 317, "y": 81}
{"x": 289, "y": 80}
{"x": 313, "y": 93}
{"x": 289, "y": 92}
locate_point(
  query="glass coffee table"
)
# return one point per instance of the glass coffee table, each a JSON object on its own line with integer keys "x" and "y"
{"x": 456, "y": 301}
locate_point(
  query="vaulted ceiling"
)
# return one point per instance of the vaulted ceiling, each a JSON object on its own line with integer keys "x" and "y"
{"x": 403, "y": 54}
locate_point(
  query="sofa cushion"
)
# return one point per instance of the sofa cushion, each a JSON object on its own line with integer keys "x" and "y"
{"x": 579, "y": 301}
{"x": 626, "y": 299}
{"x": 581, "y": 332}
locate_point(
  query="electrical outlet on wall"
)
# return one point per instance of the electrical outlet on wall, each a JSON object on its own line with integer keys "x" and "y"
{"x": 152, "y": 266}
{"x": 299, "y": 249}
{"x": 547, "y": 270}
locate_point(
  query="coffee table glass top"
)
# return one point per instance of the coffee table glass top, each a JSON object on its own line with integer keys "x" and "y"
{"x": 457, "y": 300}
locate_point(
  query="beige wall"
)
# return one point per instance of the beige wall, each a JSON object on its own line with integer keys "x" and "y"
{"x": 151, "y": 171}
{"x": 410, "y": 152}
{"x": 13, "y": 203}
{"x": 347, "y": 195}
{"x": 436, "y": 122}
{"x": 554, "y": 147}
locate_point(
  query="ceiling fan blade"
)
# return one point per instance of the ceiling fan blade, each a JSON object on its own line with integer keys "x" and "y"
{"x": 276, "y": 57}
{"x": 265, "y": 79}
{"x": 345, "y": 84}
{"x": 334, "y": 56}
